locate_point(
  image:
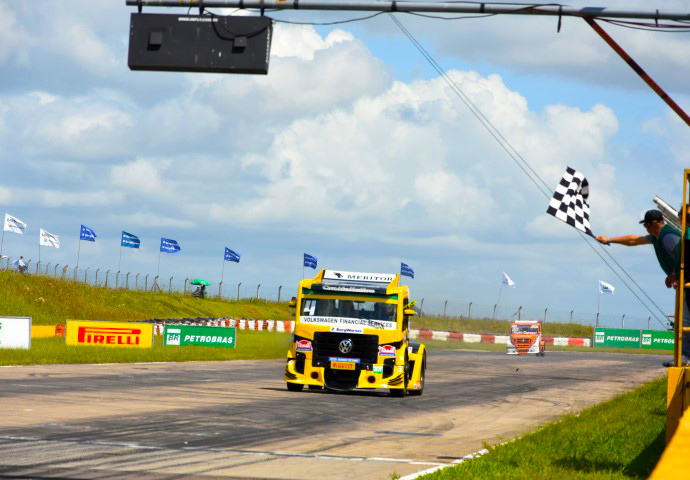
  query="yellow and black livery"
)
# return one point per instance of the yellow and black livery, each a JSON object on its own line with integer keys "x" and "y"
{"x": 352, "y": 332}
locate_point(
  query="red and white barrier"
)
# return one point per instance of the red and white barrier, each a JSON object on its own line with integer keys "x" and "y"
{"x": 239, "y": 323}
{"x": 496, "y": 339}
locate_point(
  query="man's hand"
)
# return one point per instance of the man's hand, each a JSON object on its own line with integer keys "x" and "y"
{"x": 670, "y": 280}
{"x": 603, "y": 240}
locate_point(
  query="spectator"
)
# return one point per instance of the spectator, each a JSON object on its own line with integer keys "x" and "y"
{"x": 666, "y": 241}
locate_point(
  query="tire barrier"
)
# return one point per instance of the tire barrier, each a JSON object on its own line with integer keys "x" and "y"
{"x": 239, "y": 323}
{"x": 497, "y": 339}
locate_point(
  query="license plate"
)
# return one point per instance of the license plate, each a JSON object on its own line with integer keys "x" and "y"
{"x": 343, "y": 365}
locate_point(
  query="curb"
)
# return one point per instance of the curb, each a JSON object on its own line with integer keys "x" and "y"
{"x": 496, "y": 339}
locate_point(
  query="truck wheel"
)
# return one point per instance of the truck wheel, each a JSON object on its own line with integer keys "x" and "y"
{"x": 422, "y": 376}
{"x": 295, "y": 387}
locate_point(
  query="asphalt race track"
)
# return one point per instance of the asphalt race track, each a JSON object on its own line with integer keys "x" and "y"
{"x": 236, "y": 419}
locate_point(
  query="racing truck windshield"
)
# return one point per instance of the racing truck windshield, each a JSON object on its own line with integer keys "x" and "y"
{"x": 349, "y": 309}
{"x": 525, "y": 330}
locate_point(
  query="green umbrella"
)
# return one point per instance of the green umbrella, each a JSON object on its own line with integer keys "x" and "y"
{"x": 200, "y": 281}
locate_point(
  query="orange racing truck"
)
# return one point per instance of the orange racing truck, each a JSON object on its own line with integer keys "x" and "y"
{"x": 526, "y": 337}
{"x": 352, "y": 331}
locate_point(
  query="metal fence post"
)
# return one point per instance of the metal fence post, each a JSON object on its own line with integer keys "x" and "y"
{"x": 257, "y": 291}
{"x": 146, "y": 282}
{"x": 86, "y": 273}
{"x": 47, "y": 267}
{"x": 117, "y": 279}
{"x": 55, "y": 269}
{"x": 185, "y": 286}
{"x": 64, "y": 272}
{"x": 38, "y": 266}
{"x": 107, "y": 274}
{"x": 170, "y": 286}
{"x": 220, "y": 289}
{"x": 421, "y": 307}
{"x": 136, "y": 282}
{"x": 238, "y": 291}
{"x": 75, "y": 273}
{"x": 571, "y": 317}
{"x": 279, "y": 289}
{"x": 520, "y": 312}
{"x": 545, "y": 310}
{"x": 97, "y": 270}
{"x": 127, "y": 281}
{"x": 495, "y": 305}
{"x": 623, "y": 321}
{"x": 649, "y": 319}
{"x": 597, "y": 324}
{"x": 445, "y": 305}
{"x": 469, "y": 311}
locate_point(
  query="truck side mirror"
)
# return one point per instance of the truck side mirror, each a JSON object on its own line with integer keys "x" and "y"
{"x": 409, "y": 311}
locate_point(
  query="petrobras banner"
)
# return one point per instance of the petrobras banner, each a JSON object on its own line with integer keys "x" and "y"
{"x": 343, "y": 322}
{"x": 15, "y": 332}
{"x": 616, "y": 338}
{"x": 109, "y": 334}
{"x": 657, "y": 340}
{"x": 182, "y": 336}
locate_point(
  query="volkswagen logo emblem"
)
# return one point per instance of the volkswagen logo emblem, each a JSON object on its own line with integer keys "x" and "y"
{"x": 345, "y": 346}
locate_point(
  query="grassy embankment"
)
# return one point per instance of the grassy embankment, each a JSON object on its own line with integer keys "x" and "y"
{"x": 619, "y": 439}
{"x": 51, "y": 301}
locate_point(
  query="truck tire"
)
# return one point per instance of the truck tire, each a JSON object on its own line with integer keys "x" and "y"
{"x": 295, "y": 387}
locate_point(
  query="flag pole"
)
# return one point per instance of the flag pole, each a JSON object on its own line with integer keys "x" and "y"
{"x": 78, "y": 250}
{"x": 159, "y": 263}
{"x": 598, "y": 301}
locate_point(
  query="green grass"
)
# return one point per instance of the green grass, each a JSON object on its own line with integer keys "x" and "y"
{"x": 501, "y": 327}
{"x": 50, "y": 301}
{"x": 493, "y": 347}
{"x": 251, "y": 345}
{"x": 619, "y": 439}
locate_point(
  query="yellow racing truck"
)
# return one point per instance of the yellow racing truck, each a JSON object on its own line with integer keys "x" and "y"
{"x": 352, "y": 332}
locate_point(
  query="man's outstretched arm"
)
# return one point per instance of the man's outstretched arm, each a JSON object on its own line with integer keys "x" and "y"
{"x": 628, "y": 241}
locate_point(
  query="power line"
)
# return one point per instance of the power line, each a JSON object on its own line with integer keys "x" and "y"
{"x": 517, "y": 158}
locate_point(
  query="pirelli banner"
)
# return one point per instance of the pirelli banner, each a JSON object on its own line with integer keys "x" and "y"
{"x": 109, "y": 334}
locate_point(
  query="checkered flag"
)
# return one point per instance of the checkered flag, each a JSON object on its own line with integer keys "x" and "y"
{"x": 569, "y": 202}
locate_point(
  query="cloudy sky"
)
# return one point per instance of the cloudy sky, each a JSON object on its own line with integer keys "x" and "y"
{"x": 351, "y": 149}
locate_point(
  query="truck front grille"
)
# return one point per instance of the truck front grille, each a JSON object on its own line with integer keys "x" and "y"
{"x": 364, "y": 347}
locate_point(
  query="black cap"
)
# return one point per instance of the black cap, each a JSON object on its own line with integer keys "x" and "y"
{"x": 652, "y": 216}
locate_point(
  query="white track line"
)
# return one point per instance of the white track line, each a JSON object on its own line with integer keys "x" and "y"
{"x": 228, "y": 450}
{"x": 413, "y": 476}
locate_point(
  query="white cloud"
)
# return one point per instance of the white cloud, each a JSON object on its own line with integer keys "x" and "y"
{"x": 140, "y": 176}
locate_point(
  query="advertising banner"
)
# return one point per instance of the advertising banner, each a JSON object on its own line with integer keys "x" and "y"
{"x": 184, "y": 336}
{"x": 15, "y": 332}
{"x": 109, "y": 334}
{"x": 657, "y": 340}
{"x": 616, "y": 338}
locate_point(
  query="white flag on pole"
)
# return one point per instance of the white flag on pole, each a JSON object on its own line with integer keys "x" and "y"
{"x": 13, "y": 224}
{"x": 507, "y": 281}
{"x": 606, "y": 287}
{"x": 47, "y": 239}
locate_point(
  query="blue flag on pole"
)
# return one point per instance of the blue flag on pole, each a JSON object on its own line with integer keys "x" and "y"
{"x": 310, "y": 261}
{"x": 87, "y": 234}
{"x": 406, "y": 270}
{"x": 232, "y": 256}
{"x": 129, "y": 240}
{"x": 169, "y": 246}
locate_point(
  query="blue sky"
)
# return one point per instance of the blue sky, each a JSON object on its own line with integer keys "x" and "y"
{"x": 351, "y": 149}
